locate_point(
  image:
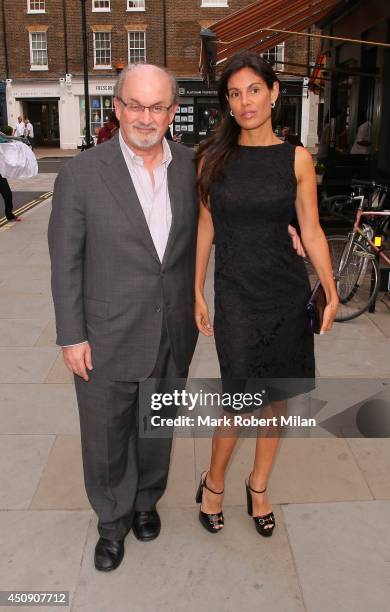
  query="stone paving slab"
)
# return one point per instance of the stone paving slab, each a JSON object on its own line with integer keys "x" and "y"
{"x": 381, "y": 318}
{"x": 20, "y": 305}
{"x": 48, "y": 336}
{"x": 342, "y": 554}
{"x": 180, "y": 492}
{"x": 61, "y": 486}
{"x": 23, "y": 272}
{"x": 41, "y": 551}
{"x": 205, "y": 362}
{"x": 38, "y": 409}
{"x": 21, "y": 332}
{"x": 373, "y": 458}
{"x": 362, "y": 328}
{"x": 187, "y": 568}
{"x": 22, "y": 460}
{"x": 59, "y": 373}
{"x": 353, "y": 357}
{"x": 35, "y": 286}
{"x": 26, "y": 365}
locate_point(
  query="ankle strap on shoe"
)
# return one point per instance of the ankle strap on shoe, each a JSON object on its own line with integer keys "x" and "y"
{"x": 254, "y": 490}
{"x": 208, "y": 488}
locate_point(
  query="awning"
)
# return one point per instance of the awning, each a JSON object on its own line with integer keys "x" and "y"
{"x": 250, "y": 28}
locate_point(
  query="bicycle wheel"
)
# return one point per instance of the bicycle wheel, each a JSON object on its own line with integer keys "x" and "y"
{"x": 356, "y": 276}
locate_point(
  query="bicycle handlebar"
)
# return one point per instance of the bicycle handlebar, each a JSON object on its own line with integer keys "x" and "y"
{"x": 373, "y": 184}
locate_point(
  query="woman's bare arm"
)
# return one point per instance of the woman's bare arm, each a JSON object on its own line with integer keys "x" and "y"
{"x": 203, "y": 250}
{"x": 312, "y": 235}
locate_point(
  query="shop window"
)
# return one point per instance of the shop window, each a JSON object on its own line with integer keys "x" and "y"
{"x": 137, "y": 47}
{"x": 36, "y": 6}
{"x": 38, "y": 51}
{"x": 208, "y": 117}
{"x": 135, "y": 5}
{"x": 214, "y": 3}
{"x": 102, "y": 49}
{"x": 101, "y": 5}
{"x": 100, "y": 108}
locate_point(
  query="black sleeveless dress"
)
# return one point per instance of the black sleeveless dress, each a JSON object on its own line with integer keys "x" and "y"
{"x": 261, "y": 284}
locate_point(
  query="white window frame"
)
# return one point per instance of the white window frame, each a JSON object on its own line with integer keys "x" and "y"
{"x": 128, "y": 43}
{"x": 35, "y": 11}
{"x": 102, "y": 66}
{"x": 38, "y": 66}
{"x": 280, "y": 48}
{"x": 214, "y": 4}
{"x": 99, "y": 9}
{"x": 136, "y": 8}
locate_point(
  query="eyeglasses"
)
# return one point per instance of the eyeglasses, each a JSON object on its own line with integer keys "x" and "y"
{"x": 155, "y": 109}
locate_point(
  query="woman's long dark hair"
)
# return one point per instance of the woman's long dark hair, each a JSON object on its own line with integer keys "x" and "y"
{"x": 214, "y": 151}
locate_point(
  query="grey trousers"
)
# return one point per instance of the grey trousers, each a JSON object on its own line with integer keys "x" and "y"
{"x": 123, "y": 472}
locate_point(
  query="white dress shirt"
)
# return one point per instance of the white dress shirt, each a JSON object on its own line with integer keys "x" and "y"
{"x": 19, "y": 129}
{"x": 154, "y": 200}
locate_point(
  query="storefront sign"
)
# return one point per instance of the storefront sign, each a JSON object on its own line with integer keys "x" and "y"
{"x": 293, "y": 88}
{"x": 106, "y": 88}
{"x": 196, "y": 89}
{"x": 36, "y": 93}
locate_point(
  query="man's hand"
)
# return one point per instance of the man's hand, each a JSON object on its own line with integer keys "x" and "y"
{"x": 296, "y": 241}
{"x": 78, "y": 359}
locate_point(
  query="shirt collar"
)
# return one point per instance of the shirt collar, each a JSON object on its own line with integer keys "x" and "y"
{"x": 133, "y": 157}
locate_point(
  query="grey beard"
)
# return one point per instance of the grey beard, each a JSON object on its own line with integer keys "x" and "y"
{"x": 145, "y": 142}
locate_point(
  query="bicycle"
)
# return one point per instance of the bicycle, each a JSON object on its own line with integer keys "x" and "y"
{"x": 344, "y": 206}
{"x": 355, "y": 257}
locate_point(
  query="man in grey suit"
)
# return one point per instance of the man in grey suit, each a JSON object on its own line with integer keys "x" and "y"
{"x": 122, "y": 244}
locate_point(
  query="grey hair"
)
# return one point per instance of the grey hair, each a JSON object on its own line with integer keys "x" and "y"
{"x": 130, "y": 67}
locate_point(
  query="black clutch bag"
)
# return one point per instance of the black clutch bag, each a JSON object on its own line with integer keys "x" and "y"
{"x": 315, "y": 308}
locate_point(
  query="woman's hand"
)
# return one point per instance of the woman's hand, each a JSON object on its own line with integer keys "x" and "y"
{"x": 329, "y": 314}
{"x": 296, "y": 241}
{"x": 202, "y": 317}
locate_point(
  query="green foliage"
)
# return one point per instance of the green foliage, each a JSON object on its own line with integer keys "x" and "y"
{"x": 6, "y": 129}
{"x": 320, "y": 168}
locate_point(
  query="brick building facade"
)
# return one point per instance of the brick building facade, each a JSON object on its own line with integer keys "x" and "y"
{"x": 45, "y": 61}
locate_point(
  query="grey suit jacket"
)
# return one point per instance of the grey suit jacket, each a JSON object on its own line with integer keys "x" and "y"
{"x": 109, "y": 286}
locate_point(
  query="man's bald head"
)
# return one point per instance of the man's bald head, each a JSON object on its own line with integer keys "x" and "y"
{"x": 145, "y": 71}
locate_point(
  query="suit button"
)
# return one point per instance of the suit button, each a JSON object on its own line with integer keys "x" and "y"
{"x": 158, "y": 308}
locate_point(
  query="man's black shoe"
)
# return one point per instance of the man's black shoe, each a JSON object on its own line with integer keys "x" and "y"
{"x": 108, "y": 554}
{"x": 146, "y": 525}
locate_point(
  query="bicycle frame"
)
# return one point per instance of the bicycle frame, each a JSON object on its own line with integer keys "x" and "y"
{"x": 357, "y": 230}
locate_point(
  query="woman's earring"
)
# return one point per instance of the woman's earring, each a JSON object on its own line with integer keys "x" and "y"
{"x": 272, "y": 104}
{"x": 231, "y": 113}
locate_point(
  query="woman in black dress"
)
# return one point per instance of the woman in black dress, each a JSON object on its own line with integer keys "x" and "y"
{"x": 252, "y": 185}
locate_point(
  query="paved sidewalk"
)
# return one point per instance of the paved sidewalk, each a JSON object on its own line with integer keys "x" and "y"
{"x": 331, "y": 496}
{"x": 42, "y": 152}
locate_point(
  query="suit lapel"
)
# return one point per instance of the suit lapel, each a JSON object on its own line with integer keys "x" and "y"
{"x": 175, "y": 195}
{"x": 117, "y": 179}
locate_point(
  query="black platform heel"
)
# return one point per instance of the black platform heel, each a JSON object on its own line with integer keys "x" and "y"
{"x": 261, "y": 522}
{"x": 212, "y": 522}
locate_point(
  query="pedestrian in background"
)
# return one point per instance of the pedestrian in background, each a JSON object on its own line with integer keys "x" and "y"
{"x": 109, "y": 129}
{"x": 29, "y": 131}
{"x": 19, "y": 128}
{"x": 6, "y": 192}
